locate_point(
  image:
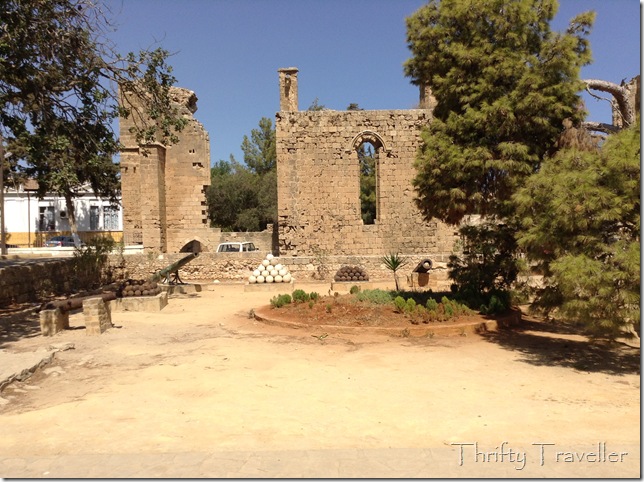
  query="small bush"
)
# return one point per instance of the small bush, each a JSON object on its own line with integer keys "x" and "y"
{"x": 280, "y": 300}
{"x": 314, "y": 296}
{"x": 354, "y": 289}
{"x": 419, "y": 314}
{"x": 300, "y": 296}
{"x": 410, "y": 305}
{"x": 495, "y": 306}
{"x": 328, "y": 308}
{"x": 400, "y": 304}
{"x": 378, "y": 297}
{"x": 91, "y": 262}
{"x": 311, "y": 304}
{"x": 431, "y": 305}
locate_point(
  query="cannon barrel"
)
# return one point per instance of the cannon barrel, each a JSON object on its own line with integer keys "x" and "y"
{"x": 171, "y": 268}
{"x": 75, "y": 303}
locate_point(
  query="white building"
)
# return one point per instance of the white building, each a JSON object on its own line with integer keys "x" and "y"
{"x": 31, "y": 221}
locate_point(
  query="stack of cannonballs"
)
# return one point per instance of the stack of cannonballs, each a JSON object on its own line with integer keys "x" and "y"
{"x": 134, "y": 287}
{"x": 351, "y": 273}
{"x": 270, "y": 271}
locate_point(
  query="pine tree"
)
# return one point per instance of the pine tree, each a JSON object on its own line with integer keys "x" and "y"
{"x": 581, "y": 226}
{"x": 259, "y": 151}
{"x": 504, "y": 83}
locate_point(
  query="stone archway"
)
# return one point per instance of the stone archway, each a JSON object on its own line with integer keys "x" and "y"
{"x": 194, "y": 246}
{"x": 369, "y": 137}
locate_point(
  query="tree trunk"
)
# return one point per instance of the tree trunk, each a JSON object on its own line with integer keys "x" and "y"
{"x": 71, "y": 217}
{"x": 3, "y": 234}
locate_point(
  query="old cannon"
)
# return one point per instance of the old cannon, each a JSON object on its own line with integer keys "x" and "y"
{"x": 170, "y": 274}
{"x": 72, "y": 304}
{"x": 420, "y": 274}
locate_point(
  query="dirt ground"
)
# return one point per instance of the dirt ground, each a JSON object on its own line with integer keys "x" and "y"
{"x": 204, "y": 375}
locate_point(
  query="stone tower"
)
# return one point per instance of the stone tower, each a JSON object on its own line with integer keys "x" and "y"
{"x": 163, "y": 187}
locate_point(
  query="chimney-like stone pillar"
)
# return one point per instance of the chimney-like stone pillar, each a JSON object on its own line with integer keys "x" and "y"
{"x": 288, "y": 89}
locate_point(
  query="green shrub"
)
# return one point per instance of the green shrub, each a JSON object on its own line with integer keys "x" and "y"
{"x": 354, "y": 289}
{"x": 91, "y": 264}
{"x": 311, "y": 304}
{"x": 378, "y": 297}
{"x": 496, "y": 306}
{"x": 328, "y": 308}
{"x": 431, "y": 305}
{"x": 410, "y": 305}
{"x": 280, "y": 300}
{"x": 400, "y": 304}
{"x": 419, "y": 314}
{"x": 300, "y": 296}
{"x": 314, "y": 296}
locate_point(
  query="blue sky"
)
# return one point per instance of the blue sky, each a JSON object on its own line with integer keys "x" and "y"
{"x": 228, "y": 52}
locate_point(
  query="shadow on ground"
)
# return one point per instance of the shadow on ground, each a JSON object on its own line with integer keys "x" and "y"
{"x": 542, "y": 343}
{"x": 17, "y": 325}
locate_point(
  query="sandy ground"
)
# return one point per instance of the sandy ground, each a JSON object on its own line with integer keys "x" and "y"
{"x": 203, "y": 376}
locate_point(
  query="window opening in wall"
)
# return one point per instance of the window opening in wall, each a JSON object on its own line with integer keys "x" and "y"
{"x": 93, "y": 218}
{"x": 368, "y": 159}
{"x": 110, "y": 218}
{"x": 47, "y": 219}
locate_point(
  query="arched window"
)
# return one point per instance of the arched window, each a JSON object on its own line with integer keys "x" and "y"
{"x": 368, "y": 146}
{"x": 367, "y": 159}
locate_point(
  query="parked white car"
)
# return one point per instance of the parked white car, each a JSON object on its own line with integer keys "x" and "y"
{"x": 233, "y": 247}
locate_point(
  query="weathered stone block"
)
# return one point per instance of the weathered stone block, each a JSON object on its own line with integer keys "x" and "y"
{"x": 270, "y": 287}
{"x": 141, "y": 303}
{"x": 53, "y": 321}
{"x": 98, "y": 316}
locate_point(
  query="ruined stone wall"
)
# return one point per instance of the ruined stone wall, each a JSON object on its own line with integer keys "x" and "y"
{"x": 236, "y": 267}
{"x": 187, "y": 177}
{"x": 164, "y": 200}
{"x": 319, "y": 184}
{"x": 143, "y": 197}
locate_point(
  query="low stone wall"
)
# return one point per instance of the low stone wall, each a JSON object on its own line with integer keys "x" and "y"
{"x": 24, "y": 280}
{"x": 236, "y": 267}
{"x": 27, "y": 280}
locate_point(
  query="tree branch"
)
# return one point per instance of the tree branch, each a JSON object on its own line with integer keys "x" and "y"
{"x": 619, "y": 93}
{"x": 600, "y": 127}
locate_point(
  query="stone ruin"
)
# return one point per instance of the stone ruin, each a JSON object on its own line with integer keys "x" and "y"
{"x": 319, "y": 210}
{"x": 318, "y": 174}
{"x": 164, "y": 187}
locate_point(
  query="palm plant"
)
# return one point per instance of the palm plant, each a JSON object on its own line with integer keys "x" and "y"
{"x": 393, "y": 262}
